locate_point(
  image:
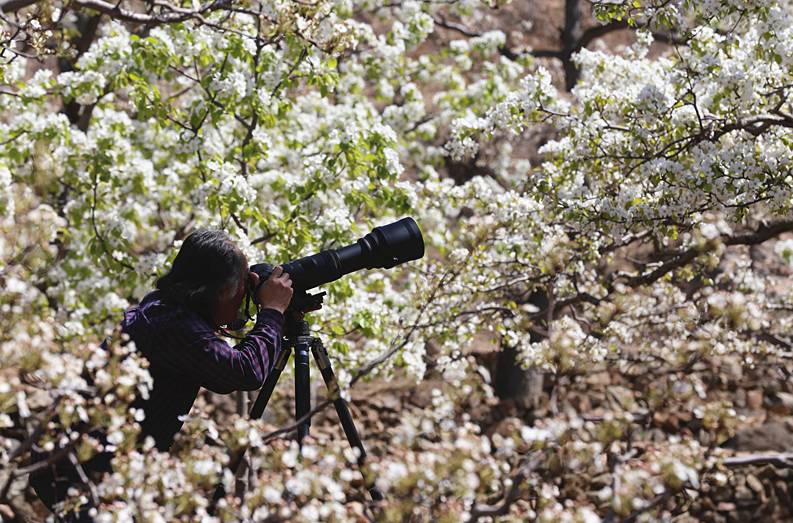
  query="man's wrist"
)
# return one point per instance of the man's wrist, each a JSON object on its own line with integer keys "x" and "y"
{"x": 269, "y": 313}
{"x": 270, "y": 306}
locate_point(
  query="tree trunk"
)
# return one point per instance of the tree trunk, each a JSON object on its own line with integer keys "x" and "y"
{"x": 513, "y": 382}
{"x": 571, "y": 41}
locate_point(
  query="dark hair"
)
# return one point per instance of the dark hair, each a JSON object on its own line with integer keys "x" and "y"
{"x": 207, "y": 263}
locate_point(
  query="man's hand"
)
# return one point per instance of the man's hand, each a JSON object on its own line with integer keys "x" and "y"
{"x": 276, "y": 293}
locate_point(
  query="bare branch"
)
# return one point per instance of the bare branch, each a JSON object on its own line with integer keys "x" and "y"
{"x": 763, "y": 233}
{"x": 84, "y": 477}
{"x": 778, "y": 460}
{"x": 12, "y": 6}
{"x": 395, "y": 347}
{"x": 170, "y": 13}
{"x": 479, "y": 511}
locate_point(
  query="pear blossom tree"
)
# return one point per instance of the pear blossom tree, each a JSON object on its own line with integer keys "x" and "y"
{"x": 646, "y": 240}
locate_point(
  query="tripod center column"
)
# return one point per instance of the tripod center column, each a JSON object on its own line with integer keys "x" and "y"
{"x": 303, "y": 344}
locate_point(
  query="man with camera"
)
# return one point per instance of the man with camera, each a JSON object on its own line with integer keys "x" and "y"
{"x": 175, "y": 328}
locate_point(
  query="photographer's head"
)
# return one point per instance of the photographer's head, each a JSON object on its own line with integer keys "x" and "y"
{"x": 209, "y": 275}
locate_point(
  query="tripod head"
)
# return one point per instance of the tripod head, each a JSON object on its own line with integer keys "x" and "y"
{"x": 303, "y": 302}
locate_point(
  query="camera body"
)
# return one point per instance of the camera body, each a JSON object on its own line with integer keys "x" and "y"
{"x": 264, "y": 270}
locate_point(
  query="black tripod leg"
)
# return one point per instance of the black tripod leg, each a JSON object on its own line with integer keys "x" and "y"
{"x": 323, "y": 362}
{"x": 256, "y": 412}
{"x": 302, "y": 386}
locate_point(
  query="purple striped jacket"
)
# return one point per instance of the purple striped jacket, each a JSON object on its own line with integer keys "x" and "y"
{"x": 185, "y": 353}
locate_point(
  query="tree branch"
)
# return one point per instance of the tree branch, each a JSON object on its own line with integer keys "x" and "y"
{"x": 510, "y": 496}
{"x": 173, "y": 14}
{"x": 777, "y": 460}
{"x": 762, "y": 234}
{"x": 12, "y": 6}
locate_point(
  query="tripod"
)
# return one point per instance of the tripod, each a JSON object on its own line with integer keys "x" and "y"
{"x": 299, "y": 338}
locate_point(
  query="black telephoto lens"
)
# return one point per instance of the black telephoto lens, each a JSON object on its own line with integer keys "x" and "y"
{"x": 383, "y": 248}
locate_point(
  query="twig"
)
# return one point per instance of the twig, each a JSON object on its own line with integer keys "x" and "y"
{"x": 369, "y": 367}
{"x": 23, "y": 447}
{"x": 510, "y": 496}
{"x": 290, "y": 428}
{"x": 654, "y": 503}
{"x": 778, "y": 460}
{"x": 84, "y": 478}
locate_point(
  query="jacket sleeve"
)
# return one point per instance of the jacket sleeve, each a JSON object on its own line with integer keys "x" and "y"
{"x": 244, "y": 366}
{"x": 188, "y": 346}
